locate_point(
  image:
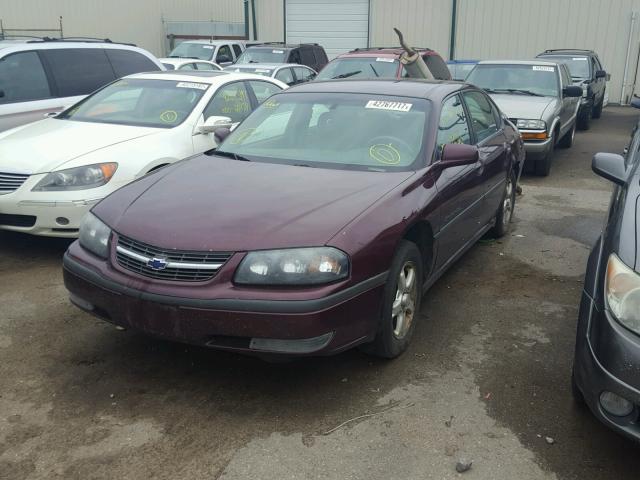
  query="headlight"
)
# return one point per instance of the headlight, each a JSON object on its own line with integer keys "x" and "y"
{"x": 79, "y": 178}
{"x": 94, "y": 235}
{"x": 622, "y": 291}
{"x": 524, "y": 124}
{"x": 295, "y": 266}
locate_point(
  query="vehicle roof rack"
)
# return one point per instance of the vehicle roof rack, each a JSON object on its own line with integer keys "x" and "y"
{"x": 77, "y": 39}
{"x": 568, "y": 50}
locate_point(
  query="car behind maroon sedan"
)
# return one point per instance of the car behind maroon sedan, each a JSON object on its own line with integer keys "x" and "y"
{"x": 315, "y": 227}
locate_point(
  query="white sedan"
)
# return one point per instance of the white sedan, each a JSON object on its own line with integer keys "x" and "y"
{"x": 52, "y": 171}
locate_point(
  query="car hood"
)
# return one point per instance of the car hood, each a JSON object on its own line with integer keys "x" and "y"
{"x": 48, "y": 144}
{"x": 522, "y": 106}
{"x": 215, "y": 203}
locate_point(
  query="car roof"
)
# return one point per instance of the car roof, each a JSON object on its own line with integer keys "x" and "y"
{"x": 390, "y": 52}
{"x": 270, "y": 66}
{"x": 183, "y": 60}
{"x": 211, "y": 42}
{"x": 563, "y": 51}
{"x": 406, "y": 87}
{"x": 518, "y": 62}
{"x": 21, "y": 45}
{"x": 211, "y": 77}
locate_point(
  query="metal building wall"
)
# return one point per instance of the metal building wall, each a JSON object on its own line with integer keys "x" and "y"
{"x": 135, "y": 21}
{"x": 270, "y": 20}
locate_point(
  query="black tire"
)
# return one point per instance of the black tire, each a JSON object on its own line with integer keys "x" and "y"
{"x": 578, "y": 396}
{"x": 584, "y": 119}
{"x": 505, "y": 210}
{"x": 567, "y": 140}
{"x": 543, "y": 165}
{"x": 387, "y": 343}
{"x": 597, "y": 109}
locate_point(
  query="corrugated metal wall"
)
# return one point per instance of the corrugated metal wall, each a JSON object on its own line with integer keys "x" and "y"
{"x": 135, "y": 21}
{"x": 270, "y": 20}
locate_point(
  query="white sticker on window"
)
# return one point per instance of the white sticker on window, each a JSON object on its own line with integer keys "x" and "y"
{"x": 540, "y": 68}
{"x": 582, "y": 59}
{"x": 277, "y": 51}
{"x": 199, "y": 86}
{"x": 208, "y": 47}
{"x": 384, "y": 105}
{"x": 382, "y": 59}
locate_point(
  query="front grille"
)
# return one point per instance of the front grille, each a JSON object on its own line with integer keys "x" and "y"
{"x": 10, "y": 182}
{"x": 17, "y": 220}
{"x": 181, "y": 265}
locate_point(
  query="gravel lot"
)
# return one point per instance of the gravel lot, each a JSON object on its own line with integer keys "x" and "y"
{"x": 486, "y": 377}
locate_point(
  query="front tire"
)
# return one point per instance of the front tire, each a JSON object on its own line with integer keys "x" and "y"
{"x": 505, "y": 211}
{"x": 543, "y": 165}
{"x": 584, "y": 119}
{"x": 597, "y": 110}
{"x": 400, "y": 303}
{"x": 567, "y": 140}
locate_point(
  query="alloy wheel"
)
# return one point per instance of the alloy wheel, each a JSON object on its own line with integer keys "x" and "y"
{"x": 403, "y": 308}
{"x": 507, "y": 205}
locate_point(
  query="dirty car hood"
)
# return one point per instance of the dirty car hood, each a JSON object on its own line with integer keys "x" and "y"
{"x": 522, "y": 106}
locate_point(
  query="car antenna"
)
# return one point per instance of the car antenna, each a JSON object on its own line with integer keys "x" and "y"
{"x": 412, "y": 61}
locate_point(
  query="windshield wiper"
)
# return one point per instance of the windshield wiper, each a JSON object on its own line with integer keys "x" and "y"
{"x": 374, "y": 70}
{"x": 346, "y": 75}
{"x": 519, "y": 90}
{"x": 303, "y": 165}
{"x": 235, "y": 156}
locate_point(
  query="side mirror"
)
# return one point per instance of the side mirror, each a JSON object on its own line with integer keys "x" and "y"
{"x": 213, "y": 122}
{"x": 572, "y": 91}
{"x": 635, "y": 102}
{"x": 221, "y": 133}
{"x": 1, "y": 93}
{"x": 610, "y": 166}
{"x": 601, "y": 74}
{"x": 456, "y": 154}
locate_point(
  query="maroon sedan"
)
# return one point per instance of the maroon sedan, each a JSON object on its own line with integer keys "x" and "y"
{"x": 315, "y": 227}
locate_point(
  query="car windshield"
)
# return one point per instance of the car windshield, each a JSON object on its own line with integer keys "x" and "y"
{"x": 360, "y": 67}
{"x": 536, "y": 80}
{"x": 262, "y": 55}
{"x": 248, "y": 69}
{"x": 338, "y": 130}
{"x": 460, "y": 71}
{"x": 578, "y": 66}
{"x": 201, "y": 51}
{"x": 139, "y": 102}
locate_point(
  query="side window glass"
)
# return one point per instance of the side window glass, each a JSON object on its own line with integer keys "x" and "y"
{"x": 205, "y": 66}
{"x": 79, "y": 71}
{"x": 263, "y": 90}
{"x": 231, "y": 101}
{"x": 483, "y": 117}
{"x": 453, "y": 126}
{"x": 188, "y": 66}
{"x": 224, "y": 54}
{"x": 294, "y": 56}
{"x": 237, "y": 50}
{"x": 22, "y": 78}
{"x": 285, "y": 75}
{"x": 273, "y": 126}
{"x": 304, "y": 74}
{"x": 126, "y": 62}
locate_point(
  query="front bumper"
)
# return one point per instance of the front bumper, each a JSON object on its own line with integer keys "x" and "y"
{"x": 537, "y": 150}
{"x": 608, "y": 359}
{"x": 317, "y": 326}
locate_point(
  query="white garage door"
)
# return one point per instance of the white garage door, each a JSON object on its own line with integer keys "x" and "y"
{"x": 337, "y": 25}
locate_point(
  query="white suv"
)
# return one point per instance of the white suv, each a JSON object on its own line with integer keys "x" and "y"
{"x": 222, "y": 52}
{"x": 38, "y": 77}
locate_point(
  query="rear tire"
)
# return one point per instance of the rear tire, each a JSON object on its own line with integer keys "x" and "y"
{"x": 400, "y": 303}
{"x": 567, "y": 140}
{"x": 505, "y": 211}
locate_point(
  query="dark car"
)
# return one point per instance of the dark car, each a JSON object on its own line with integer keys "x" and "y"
{"x": 460, "y": 69}
{"x": 380, "y": 62}
{"x": 310, "y": 54}
{"x": 606, "y": 373}
{"x": 314, "y": 228}
{"x": 587, "y": 72}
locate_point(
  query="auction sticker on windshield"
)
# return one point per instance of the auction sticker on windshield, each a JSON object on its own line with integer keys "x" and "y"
{"x": 384, "y": 105}
{"x": 199, "y": 86}
{"x": 382, "y": 59}
{"x": 277, "y": 51}
{"x": 540, "y": 68}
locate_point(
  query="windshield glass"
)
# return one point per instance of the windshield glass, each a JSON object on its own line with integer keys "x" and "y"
{"x": 338, "y": 130}
{"x": 360, "y": 67}
{"x": 460, "y": 71}
{"x": 540, "y": 80}
{"x": 139, "y": 102}
{"x": 193, "y": 50}
{"x": 258, "y": 71}
{"x": 578, "y": 66}
{"x": 262, "y": 55}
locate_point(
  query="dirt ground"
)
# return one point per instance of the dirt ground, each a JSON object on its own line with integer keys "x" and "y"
{"x": 486, "y": 377}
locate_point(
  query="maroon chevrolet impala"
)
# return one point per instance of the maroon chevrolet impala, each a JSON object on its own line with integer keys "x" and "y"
{"x": 316, "y": 226}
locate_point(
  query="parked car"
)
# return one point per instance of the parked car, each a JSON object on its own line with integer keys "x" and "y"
{"x": 310, "y": 54}
{"x": 222, "y": 52}
{"x": 43, "y": 76}
{"x": 460, "y": 69}
{"x": 189, "y": 64}
{"x": 606, "y": 372}
{"x": 380, "y": 63}
{"x": 539, "y": 98}
{"x": 353, "y": 198}
{"x": 53, "y": 171}
{"x": 586, "y": 72}
{"x": 289, "y": 73}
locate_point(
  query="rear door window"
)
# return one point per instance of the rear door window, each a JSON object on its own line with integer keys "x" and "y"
{"x": 304, "y": 74}
{"x": 483, "y": 116}
{"x": 22, "y": 78}
{"x": 126, "y": 62}
{"x": 188, "y": 66}
{"x": 204, "y": 66}
{"x": 263, "y": 90}
{"x": 237, "y": 50}
{"x": 285, "y": 75}
{"x": 231, "y": 100}
{"x": 78, "y": 71}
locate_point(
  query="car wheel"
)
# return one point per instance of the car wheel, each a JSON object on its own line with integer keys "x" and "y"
{"x": 543, "y": 165}
{"x": 584, "y": 120}
{"x": 567, "y": 140}
{"x": 578, "y": 396}
{"x": 505, "y": 211}
{"x": 597, "y": 109}
{"x": 400, "y": 303}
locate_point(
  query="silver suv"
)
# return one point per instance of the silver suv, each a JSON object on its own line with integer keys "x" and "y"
{"x": 39, "y": 77}
{"x": 539, "y": 98}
